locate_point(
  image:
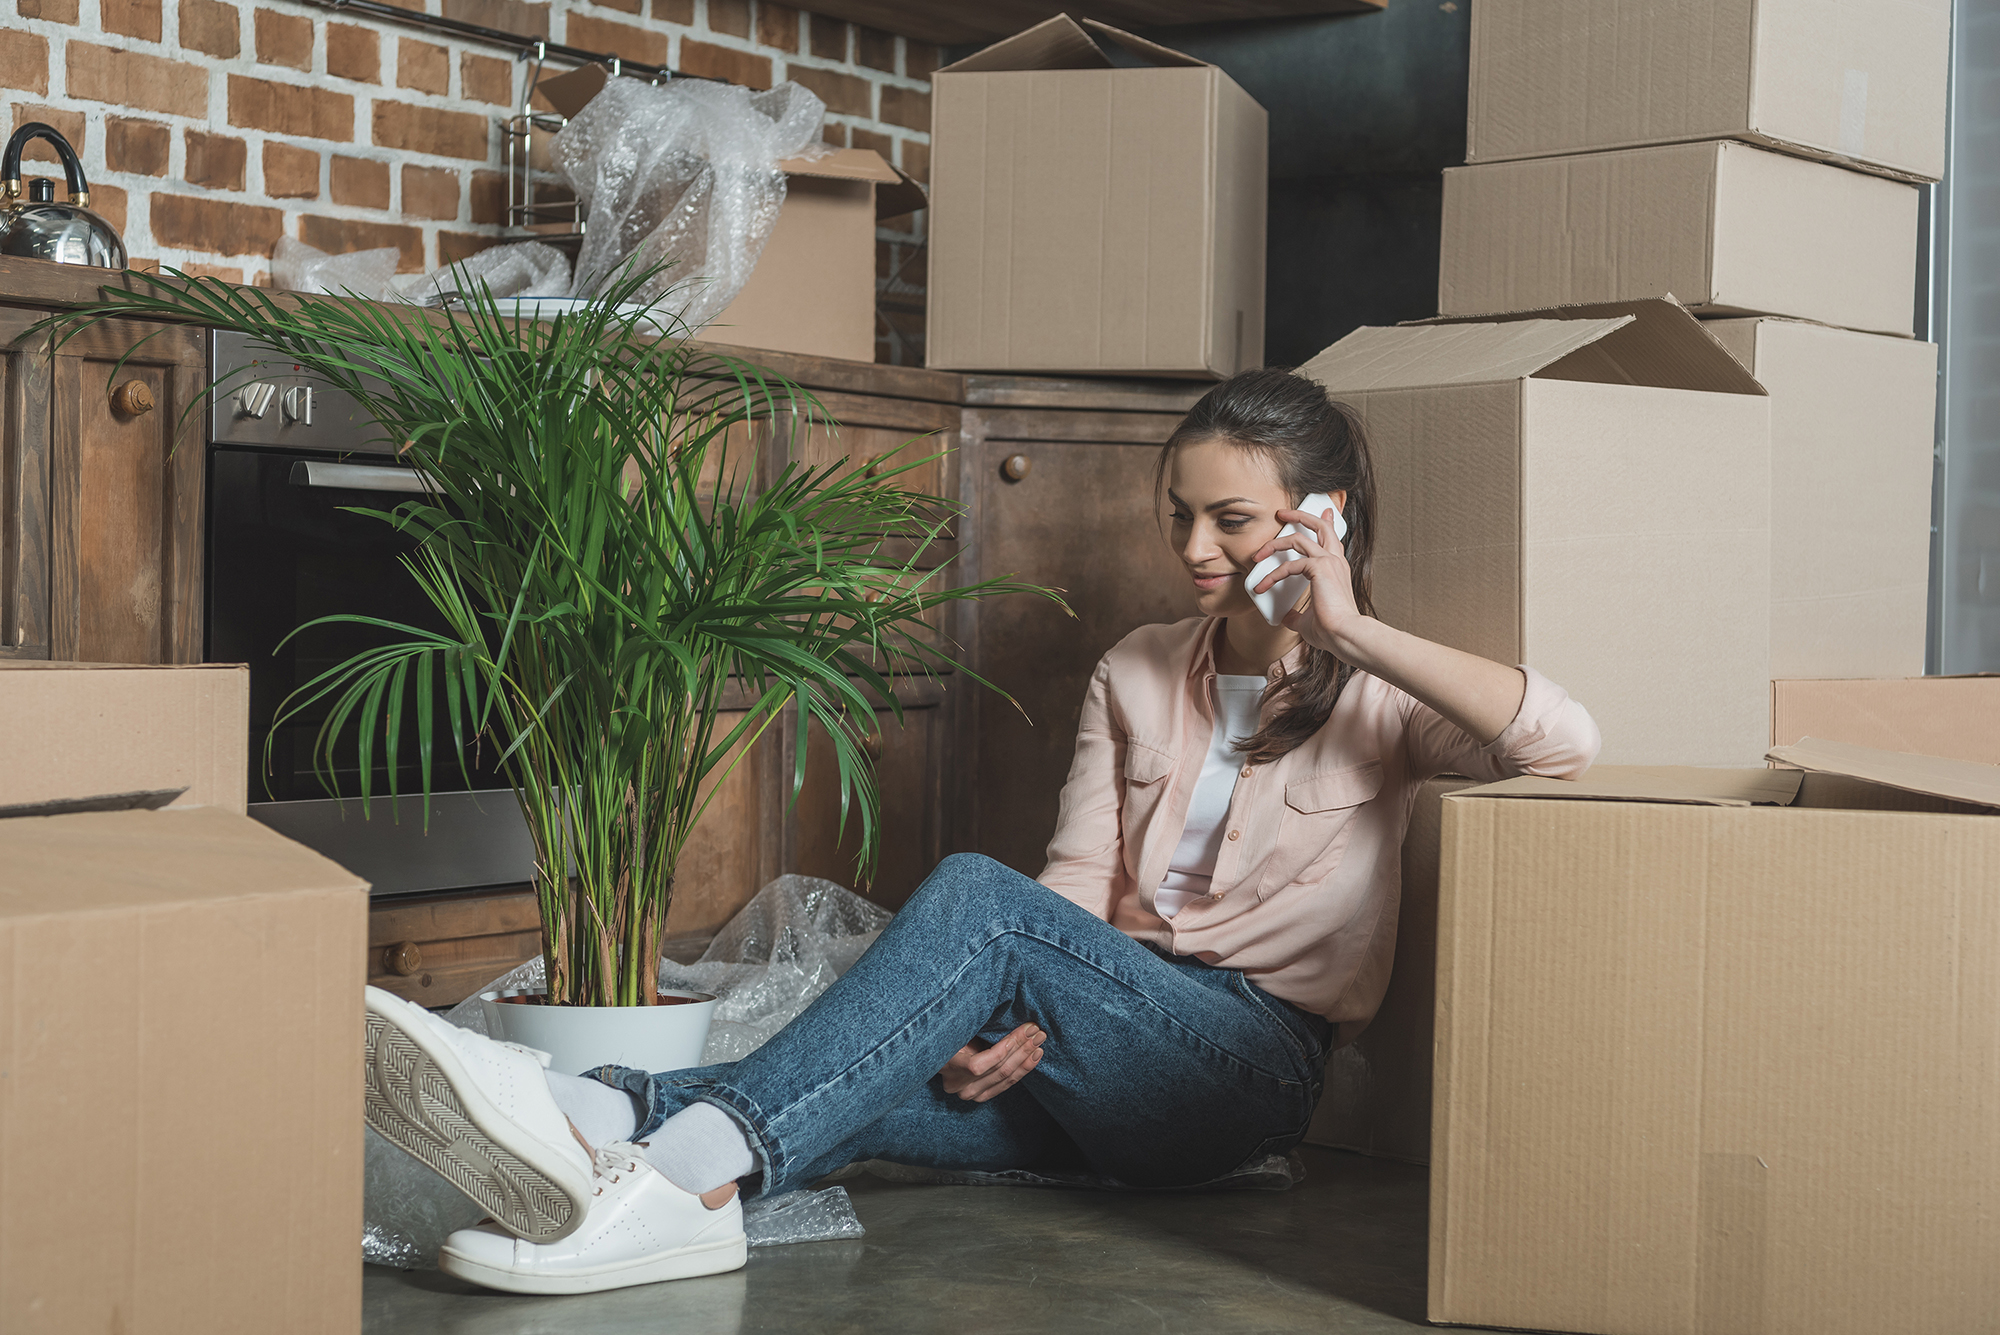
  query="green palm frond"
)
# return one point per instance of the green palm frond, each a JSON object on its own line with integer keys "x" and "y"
{"x": 631, "y": 596}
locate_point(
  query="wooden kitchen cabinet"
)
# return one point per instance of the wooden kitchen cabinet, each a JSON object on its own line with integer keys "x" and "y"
{"x": 101, "y": 479}
{"x": 1058, "y": 481}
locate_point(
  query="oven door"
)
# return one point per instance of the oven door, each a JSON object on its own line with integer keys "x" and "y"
{"x": 284, "y": 549}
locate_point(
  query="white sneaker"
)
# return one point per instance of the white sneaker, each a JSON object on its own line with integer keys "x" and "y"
{"x": 480, "y": 1113}
{"x": 641, "y": 1229}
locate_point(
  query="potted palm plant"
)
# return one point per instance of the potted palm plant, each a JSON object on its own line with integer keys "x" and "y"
{"x": 628, "y": 605}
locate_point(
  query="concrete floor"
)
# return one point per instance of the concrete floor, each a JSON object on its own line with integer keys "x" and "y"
{"x": 1344, "y": 1252}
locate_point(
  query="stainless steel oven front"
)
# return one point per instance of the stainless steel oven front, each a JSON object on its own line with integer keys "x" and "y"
{"x": 290, "y": 460}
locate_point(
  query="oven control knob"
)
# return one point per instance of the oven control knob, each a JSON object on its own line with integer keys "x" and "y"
{"x": 254, "y": 400}
{"x": 299, "y": 405}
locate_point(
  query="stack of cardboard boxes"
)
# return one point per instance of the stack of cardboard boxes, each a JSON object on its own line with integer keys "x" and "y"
{"x": 1684, "y": 1016}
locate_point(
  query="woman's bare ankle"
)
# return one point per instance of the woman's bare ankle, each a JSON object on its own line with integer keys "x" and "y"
{"x": 720, "y": 1197}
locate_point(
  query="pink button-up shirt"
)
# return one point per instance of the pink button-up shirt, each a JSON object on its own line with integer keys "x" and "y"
{"x": 1309, "y": 875}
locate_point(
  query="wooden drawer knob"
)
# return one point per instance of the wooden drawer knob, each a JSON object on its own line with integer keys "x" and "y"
{"x": 403, "y": 959}
{"x": 872, "y": 744}
{"x": 132, "y": 399}
{"x": 1016, "y": 467}
{"x": 877, "y": 465}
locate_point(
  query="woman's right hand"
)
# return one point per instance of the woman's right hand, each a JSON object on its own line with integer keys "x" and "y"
{"x": 977, "y": 1072}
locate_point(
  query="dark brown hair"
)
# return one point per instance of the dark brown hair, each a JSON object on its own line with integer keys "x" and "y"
{"x": 1314, "y": 443}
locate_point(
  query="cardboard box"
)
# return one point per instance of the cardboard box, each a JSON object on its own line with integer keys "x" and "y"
{"x": 813, "y": 288}
{"x": 1954, "y": 717}
{"x": 1725, "y": 228}
{"x": 1536, "y": 504}
{"x": 1860, "y": 82}
{"x": 1092, "y": 219}
{"x": 1378, "y": 1088}
{"x": 1853, "y": 426}
{"x": 1709, "y": 1066}
{"x": 182, "y": 1044}
{"x": 86, "y": 729}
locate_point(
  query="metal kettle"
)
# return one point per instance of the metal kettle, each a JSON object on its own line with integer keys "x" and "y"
{"x": 37, "y": 227}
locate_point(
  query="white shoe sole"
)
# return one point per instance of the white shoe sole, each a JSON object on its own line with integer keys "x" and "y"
{"x": 420, "y": 1099}
{"x": 708, "y": 1258}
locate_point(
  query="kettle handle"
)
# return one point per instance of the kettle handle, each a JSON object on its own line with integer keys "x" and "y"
{"x": 10, "y": 162}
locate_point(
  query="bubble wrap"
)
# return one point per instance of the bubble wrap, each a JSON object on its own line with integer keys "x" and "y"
{"x": 298, "y": 267}
{"x": 524, "y": 269}
{"x": 685, "y": 174}
{"x": 770, "y": 962}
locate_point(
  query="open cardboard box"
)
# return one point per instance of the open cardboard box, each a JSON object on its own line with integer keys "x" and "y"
{"x": 1719, "y": 1050}
{"x": 1535, "y": 507}
{"x": 1097, "y": 207}
{"x": 181, "y": 1038}
{"x": 813, "y": 289}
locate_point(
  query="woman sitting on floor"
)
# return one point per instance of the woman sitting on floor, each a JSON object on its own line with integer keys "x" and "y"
{"x": 1217, "y": 914}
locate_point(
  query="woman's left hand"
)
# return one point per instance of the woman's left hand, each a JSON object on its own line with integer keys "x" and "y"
{"x": 1328, "y": 608}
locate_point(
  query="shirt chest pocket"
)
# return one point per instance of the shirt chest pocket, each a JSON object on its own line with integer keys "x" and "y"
{"x": 1146, "y": 788}
{"x": 1319, "y": 808}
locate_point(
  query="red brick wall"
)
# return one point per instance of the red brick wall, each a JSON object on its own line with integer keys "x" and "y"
{"x": 210, "y": 128}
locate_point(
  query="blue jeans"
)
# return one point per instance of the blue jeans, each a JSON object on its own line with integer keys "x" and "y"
{"x": 1159, "y": 1071}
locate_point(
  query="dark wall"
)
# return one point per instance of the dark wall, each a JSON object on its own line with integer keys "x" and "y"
{"x": 1366, "y": 110}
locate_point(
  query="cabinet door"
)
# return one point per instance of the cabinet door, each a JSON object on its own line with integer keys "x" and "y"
{"x": 24, "y": 488}
{"x": 126, "y": 464}
{"x": 1081, "y": 518}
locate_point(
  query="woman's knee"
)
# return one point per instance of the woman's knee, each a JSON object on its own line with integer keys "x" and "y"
{"x": 975, "y": 887}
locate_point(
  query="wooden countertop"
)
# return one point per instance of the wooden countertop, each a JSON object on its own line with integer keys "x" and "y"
{"x": 47, "y": 285}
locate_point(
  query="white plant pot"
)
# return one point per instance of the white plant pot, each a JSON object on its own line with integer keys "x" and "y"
{"x": 582, "y": 1038}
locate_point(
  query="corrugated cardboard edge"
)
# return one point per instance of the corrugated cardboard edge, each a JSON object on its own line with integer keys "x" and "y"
{"x": 1662, "y": 333}
{"x": 1676, "y": 784}
{"x": 843, "y": 164}
{"x": 1958, "y": 780}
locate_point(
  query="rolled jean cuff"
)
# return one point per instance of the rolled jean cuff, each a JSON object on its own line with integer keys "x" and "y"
{"x": 650, "y": 1092}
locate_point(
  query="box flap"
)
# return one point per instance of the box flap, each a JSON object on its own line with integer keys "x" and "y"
{"x": 906, "y": 196}
{"x": 1414, "y": 356}
{"x": 1061, "y": 43}
{"x": 568, "y": 93}
{"x": 1664, "y": 346}
{"x": 1684, "y": 784}
{"x": 1150, "y": 52}
{"x": 1958, "y": 780}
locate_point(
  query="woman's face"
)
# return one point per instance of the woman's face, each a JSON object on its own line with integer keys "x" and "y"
{"x": 1225, "y": 502}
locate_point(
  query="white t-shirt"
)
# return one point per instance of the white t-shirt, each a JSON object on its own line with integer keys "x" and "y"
{"x": 1193, "y": 864}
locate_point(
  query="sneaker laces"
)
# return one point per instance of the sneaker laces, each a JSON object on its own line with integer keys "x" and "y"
{"x": 612, "y": 1162}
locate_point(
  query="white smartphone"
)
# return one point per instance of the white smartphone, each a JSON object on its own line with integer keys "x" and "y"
{"x": 1283, "y": 596}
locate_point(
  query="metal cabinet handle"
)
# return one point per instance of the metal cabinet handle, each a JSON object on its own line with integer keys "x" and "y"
{"x": 134, "y": 398}
{"x": 356, "y": 477}
{"x": 1016, "y": 467}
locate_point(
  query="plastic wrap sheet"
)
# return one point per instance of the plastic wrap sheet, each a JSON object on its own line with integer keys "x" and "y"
{"x": 770, "y": 962}
{"x": 685, "y": 174}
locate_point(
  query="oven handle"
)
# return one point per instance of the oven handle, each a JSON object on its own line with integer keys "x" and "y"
{"x": 356, "y": 477}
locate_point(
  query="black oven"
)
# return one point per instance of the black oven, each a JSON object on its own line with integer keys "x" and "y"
{"x": 289, "y": 460}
